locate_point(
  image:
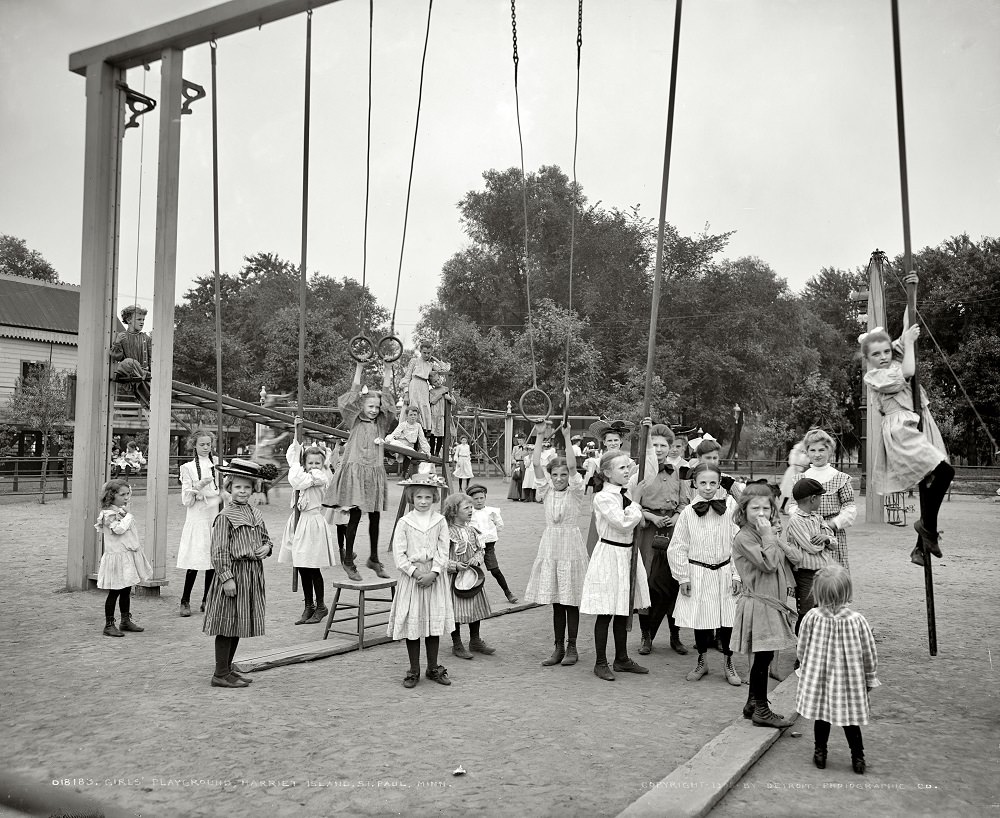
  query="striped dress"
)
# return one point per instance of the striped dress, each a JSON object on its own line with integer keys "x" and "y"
{"x": 838, "y": 664}
{"x": 707, "y": 540}
{"x": 237, "y": 533}
{"x": 466, "y": 549}
{"x": 837, "y": 505}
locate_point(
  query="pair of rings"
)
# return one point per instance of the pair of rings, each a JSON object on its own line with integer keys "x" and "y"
{"x": 388, "y": 348}
{"x": 548, "y": 406}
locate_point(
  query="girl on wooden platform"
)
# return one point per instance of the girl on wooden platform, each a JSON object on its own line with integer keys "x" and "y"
{"x": 235, "y": 606}
{"x": 439, "y": 395}
{"x": 307, "y": 542}
{"x": 762, "y": 621}
{"x": 465, "y": 560}
{"x": 360, "y": 484}
{"x": 838, "y": 666}
{"x": 559, "y": 570}
{"x": 416, "y": 382}
{"x": 123, "y": 564}
{"x": 201, "y": 495}
{"x": 607, "y": 585}
{"x": 422, "y": 606}
{"x": 700, "y": 555}
{"x": 906, "y": 454}
{"x": 410, "y": 433}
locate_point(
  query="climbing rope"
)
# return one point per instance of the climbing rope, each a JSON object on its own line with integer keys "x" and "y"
{"x": 138, "y": 209}
{"x": 215, "y": 234}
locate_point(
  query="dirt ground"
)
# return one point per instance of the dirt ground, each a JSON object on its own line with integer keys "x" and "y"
{"x": 133, "y": 722}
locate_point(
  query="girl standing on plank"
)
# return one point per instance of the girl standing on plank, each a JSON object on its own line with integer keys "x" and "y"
{"x": 700, "y": 555}
{"x": 360, "y": 484}
{"x": 606, "y": 587}
{"x": 123, "y": 564}
{"x": 906, "y": 454}
{"x": 235, "y": 606}
{"x": 201, "y": 495}
{"x": 422, "y": 605}
{"x": 308, "y": 542}
{"x": 559, "y": 570}
{"x": 761, "y": 624}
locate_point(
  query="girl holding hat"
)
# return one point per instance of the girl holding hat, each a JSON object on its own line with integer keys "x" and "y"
{"x": 236, "y": 602}
{"x": 422, "y": 605}
{"x": 468, "y": 593}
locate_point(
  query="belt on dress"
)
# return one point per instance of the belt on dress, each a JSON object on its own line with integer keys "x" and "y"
{"x": 619, "y": 544}
{"x": 663, "y": 512}
{"x": 709, "y": 566}
{"x": 770, "y": 601}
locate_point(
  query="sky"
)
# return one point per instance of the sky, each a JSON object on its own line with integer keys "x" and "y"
{"x": 785, "y": 129}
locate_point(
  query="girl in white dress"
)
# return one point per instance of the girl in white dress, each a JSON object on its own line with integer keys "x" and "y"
{"x": 201, "y": 495}
{"x": 463, "y": 463}
{"x": 907, "y": 454}
{"x": 422, "y": 606}
{"x": 558, "y": 572}
{"x": 308, "y": 542}
{"x": 123, "y": 564}
{"x": 700, "y": 555}
{"x": 606, "y": 587}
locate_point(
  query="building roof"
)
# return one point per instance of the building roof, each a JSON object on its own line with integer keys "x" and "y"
{"x": 39, "y": 305}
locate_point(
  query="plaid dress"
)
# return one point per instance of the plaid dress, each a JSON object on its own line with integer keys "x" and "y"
{"x": 838, "y": 664}
{"x": 236, "y": 534}
{"x": 837, "y": 501}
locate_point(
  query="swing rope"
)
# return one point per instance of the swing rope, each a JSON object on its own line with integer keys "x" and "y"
{"x": 573, "y": 199}
{"x": 138, "y": 209}
{"x": 524, "y": 257}
{"x": 368, "y": 171}
{"x": 215, "y": 233}
{"x": 413, "y": 158}
{"x": 303, "y": 284}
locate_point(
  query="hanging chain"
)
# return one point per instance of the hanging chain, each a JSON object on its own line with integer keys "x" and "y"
{"x": 524, "y": 200}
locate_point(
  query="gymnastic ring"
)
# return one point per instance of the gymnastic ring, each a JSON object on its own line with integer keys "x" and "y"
{"x": 548, "y": 402}
{"x": 361, "y": 348}
{"x": 390, "y": 348}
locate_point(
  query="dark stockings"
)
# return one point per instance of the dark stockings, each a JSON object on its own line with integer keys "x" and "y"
{"x": 124, "y": 598}
{"x": 351, "y": 532}
{"x": 620, "y": 630}
{"x": 312, "y": 581}
{"x": 473, "y": 631}
{"x": 933, "y": 489}
{"x": 563, "y": 615}
{"x": 703, "y": 639}
{"x": 189, "y": 580}
{"x": 821, "y": 734}
{"x": 432, "y": 643}
{"x": 225, "y": 651}
{"x": 501, "y": 579}
{"x": 758, "y": 675}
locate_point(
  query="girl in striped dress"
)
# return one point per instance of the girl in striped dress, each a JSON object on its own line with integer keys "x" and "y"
{"x": 837, "y": 503}
{"x": 308, "y": 541}
{"x": 910, "y": 449}
{"x": 607, "y": 586}
{"x": 838, "y": 666}
{"x": 201, "y": 495}
{"x": 466, "y": 550}
{"x": 235, "y": 606}
{"x": 700, "y": 556}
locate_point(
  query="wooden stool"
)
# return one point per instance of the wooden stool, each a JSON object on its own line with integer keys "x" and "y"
{"x": 362, "y": 588}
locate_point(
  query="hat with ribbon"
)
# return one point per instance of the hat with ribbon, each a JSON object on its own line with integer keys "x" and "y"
{"x": 469, "y": 581}
{"x": 602, "y": 428}
{"x": 424, "y": 479}
{"x": 238, "y": 467}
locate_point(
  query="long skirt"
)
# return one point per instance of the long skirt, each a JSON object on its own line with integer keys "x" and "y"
{"x": 606, "y": 586}
{"x": 419, "y": 612}
{"x": 559, "y": 570}
{"x": 471, "y": 609}
{"x": 311, "y": 543}
{"x": 240, "y": 615}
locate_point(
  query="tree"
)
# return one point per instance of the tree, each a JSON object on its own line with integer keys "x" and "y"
{"x": 40, "y": 402}
{"x": 17, "y": 260}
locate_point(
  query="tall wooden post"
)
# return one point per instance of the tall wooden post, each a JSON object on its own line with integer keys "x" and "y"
{"x": 874, "y": 507}
{"x": 98, "y": 296}
{"x": 164, "y": 284}
{"x": 508, "y": 439}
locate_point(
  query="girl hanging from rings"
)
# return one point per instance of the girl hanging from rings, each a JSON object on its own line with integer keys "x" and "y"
{"x": 906, "y": 454}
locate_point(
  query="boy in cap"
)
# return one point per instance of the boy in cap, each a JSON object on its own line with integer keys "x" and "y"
{"x": 809, "y": 542}
{"x": 488, "y": 522}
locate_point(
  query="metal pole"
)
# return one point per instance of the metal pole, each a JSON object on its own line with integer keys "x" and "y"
{"x": 218, "y": 285}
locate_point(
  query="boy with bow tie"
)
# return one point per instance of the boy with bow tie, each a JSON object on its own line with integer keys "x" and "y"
{"x": 700, "y": 556}
{"x": 662, "y": 495}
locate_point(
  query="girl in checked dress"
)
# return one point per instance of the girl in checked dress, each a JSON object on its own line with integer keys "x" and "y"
{"x": 838, "y": 663}
{"x": 559, "y": 570}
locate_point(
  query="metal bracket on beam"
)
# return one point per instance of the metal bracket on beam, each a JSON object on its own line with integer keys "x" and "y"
{"x": 191, "y": 92}
{"x": 138, "y": 104}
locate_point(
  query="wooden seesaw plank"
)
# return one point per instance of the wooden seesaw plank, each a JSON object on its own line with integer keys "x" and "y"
{"x": 332, "y": 646}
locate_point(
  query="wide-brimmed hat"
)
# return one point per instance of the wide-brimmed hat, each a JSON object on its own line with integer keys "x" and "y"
{"x": 424, "y": 479}
{"x": 469, "y": 581}
{"x": 622, "y": 428}
{"x": 238, "y": 467}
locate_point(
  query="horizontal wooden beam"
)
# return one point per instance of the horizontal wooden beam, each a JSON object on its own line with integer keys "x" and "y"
{"x": 147, "y": 46}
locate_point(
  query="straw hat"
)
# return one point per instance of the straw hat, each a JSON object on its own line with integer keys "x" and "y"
{"x": 469, "y": 581}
